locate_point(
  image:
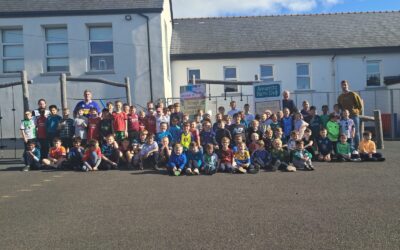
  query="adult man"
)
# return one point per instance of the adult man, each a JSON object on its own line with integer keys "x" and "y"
{"x": 288, "y": 103}
{"x": 87, "y": 104}
{"x": 233, "y": 109}
{"x": 353, "y": 103}
{"x": 41, "y": 105}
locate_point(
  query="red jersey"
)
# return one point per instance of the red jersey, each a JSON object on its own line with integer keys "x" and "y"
{"x": 142, "y": 124}
{"x": 93, "y": 128}
{"x": 88, "y": 152}
{"x": 150, "y": 122}
{"x": 57, "y": 153}
{"x": 119, "y": 122}
{"x": 226, "y": 156}
{"x": 133, "y": 122}
{"x": 41, "y": 127}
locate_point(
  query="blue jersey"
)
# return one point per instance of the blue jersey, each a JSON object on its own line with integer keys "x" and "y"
{"x": 324, "y": 145}
{"x": 86, "y": 107}
{"x": 176, "y": 133}
{"x": 161, "y": 135}
{"x": 287, "y": 124}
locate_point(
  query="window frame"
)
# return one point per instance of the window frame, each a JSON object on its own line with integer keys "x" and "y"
{"x": 267, "y": 79}
{"x": 231, "y": 79}
{"x": 380, "y": 72}
{"x": 46, "y": 43}
{"x": 3, "y": 58}
{"x": 90, "y": 54}
{"x": 303, "y": 76}
{"x": 189, "y": 77}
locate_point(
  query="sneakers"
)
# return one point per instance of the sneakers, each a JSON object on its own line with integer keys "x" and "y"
{"x": 355, "y": 159}
{"x": 177, "y": 173}
{"x": 242, "y": 170}
{"x": 309, "y": 167}
{"x": 196, "y": 171}
{"x": 26, "y": 168}
{"x": 188, "y": 171}
{"x": 291, "y": 169}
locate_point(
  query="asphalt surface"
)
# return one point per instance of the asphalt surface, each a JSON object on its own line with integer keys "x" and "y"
{"x": 338, "y": 206}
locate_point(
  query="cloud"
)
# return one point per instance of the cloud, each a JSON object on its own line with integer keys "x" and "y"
{"x": 205, "y": 8}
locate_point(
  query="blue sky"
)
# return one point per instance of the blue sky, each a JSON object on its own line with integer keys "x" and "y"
{"x": 205, "y": 8}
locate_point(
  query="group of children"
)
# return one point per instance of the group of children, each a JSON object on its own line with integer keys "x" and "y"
{"x": 165, "y": 137}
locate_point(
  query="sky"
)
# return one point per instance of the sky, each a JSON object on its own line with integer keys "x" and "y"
{"x": 213, "y": 8}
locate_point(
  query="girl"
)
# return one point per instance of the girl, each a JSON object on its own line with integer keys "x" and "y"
{"x": 299, "y": 125}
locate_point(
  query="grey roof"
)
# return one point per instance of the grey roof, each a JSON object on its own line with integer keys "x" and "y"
{"x": 10, "y": 8}
{"x": 285, "y": 35}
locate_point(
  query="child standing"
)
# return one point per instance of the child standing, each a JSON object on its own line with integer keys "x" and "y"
{"x": 367, "y": 149}
{"x": 225, "y": 156}
{"x": 52, "y": 124}
{"x": 253, "y": 143}
{"x": 175, "y": 130}
{"x": 207, "y": 136}
{"x": 28, "y": 128}
{"x": 315, "y": 121}
{"x": 66, "y": 129}
{"x": 287, "y": 123}
{"x": 31, "y": 157}
{"x": 210, "y": 160}
{"x": 57, "y": 155}
{"x": 299, "y": 125}
{"x": 302, "y": 158}
{"x": 92, "y": 157}
{"x": 268, "y": 139}
{"x": 133, "y": 125}
{"x": 242, "y": 158}
{"x": 177, "y": 161}
{"x": 325, "y": 115}
{"x": 186, "y": 137}
{"x": 120, "y": 122}
{"x": 80, "y": 124}
{"x": 347, "y": 126}
{"x": 41, "y": 133}
{"x": 195, "y": 159}
{"x": 163, "y": 133}
{"x": 221, "y": 133}
{"x": 332, "y": 128}
{"x": 93, "y": 125}
{"x": 105, "y": 125}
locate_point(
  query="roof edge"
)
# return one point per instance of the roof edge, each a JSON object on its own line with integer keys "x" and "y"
{"x": 78, "y": 12}
{"x": 284, "y": 53}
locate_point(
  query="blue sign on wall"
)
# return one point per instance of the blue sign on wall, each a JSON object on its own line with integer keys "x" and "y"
{"x": 265, "y": 91}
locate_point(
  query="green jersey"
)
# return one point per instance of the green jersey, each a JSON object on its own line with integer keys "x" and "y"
{"x": 29, "y": 128}
{"x": 343, "y": 148}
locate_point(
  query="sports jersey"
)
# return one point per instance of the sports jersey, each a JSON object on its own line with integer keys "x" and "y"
{"x": 226, "y": 156}
{"x": 151, "y": 124}
{"x": 238, "y": 129}
{"x": 274, "y": 125}
{"x": 315, "y": 124}
{"x": 242, "y": 158}
{"x": 119, "y": 122}
{"x": 324, "y": 120}
{"x": 52, "y": 124}
{"x": 185, "y": 140}
{"x": 175, "y": 132}
{"x": 89, "y": 152}
{"x": 105, "y": 127}
{"x": 298, "y": 154}
{"x": 86, "y": 107}
{"x": 29, "y": 128}
{"x": 67, "y": 128}
{"x": 333, "y": 130}
{"x": 324, "y": 145}
{"x": 347, "y": 127}
{"x": 287, "y": 125}
{"x": 41, "y": 127}
{"x": 80, "y": 124}
{"x": 93, "y": 128}
{"x": 207, "y": 137}
{"x": 178, "y": 161}
{"x": 163, "y": 134}
{"x": 133, "y": 122}
{"x": 343, "y": 148}
{"x": 57, "y": 153}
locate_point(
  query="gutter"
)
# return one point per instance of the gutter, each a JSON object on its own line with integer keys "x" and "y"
{"x": 149, "y": 53}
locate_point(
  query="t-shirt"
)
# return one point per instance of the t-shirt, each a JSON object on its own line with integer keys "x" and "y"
{"x": 333, "y": 130}
{"x": 347, "y": 127}
{"x": 186, "y": 139}
{"x": 226, "y": 156}
{"x": 67, "y": 128}
{"x": 160, "y": 119}
{"x": 249, "y": 117}
{"x": 343, "y": 148}
{"x": 80, "y": 124}
{"x": 367, "y": 147}
{"x": 41, "y": 127}
{"x": 89, "y": 152}
{"x": 161, "y": 135}
{"x": 105, "y": 127}
{"x": 324, "y": 145}
{"x": 52, "y": 124}
{"x": 29, "y": 128}
{"x": 287, "y": 124}
{"x": 175, "y": 132}
{"x": 57, "y": 153}
{"x": 151, "y": 124}
{"x": 93, "y": 128}
{"x": 233, "y": 112}
{"x": 36, "y": 113}
{"x": 86, "y": 107}
{"x": 324, "y": 120}
{"x": 119, "y": 122}
{"x": 133, "y": 122}
{"x": 242, "y": 158}
{"x": 148, "y": 147}
{"x": 315, "y": 124}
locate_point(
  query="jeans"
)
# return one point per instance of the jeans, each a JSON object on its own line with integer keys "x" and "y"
{"x": 356, "y": 120}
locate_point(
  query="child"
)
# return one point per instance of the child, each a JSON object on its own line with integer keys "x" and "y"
{"x": 105, "y": 125}
{"x": 238, "y": 139}
{"x": 280, "y": 158}
{"x": 221, "y": 133}
{"x": 346, "y": 126}
{"x": 80, "y": 124}
{"x": 66, "y": 129}
{"x": 238, "y": 128}
{"x": 225, "y": 156}
{"x": 336, "y": 111}
{"x": 207, "y": 136}
{"x": 325, "y": 115}
{"x": 126, "y": 108}
{"x": 309, "y": 142}
{"x": 268, "y": 139}
{"x": 333, "y": 130}
{"x": 305, "y": 111}
{"x": 31, "y": 157}
{"x": 150, "y": 122}
{"x": 253, "y": 128}
{"x": 260, "y": 158}
{"x": 41, "y": 133}
{"x": 52, "y": 124}
{"x": 28, "y": 128}
{"x": 120, "y": 122}
{"x": 163, "y": 133}
{"x": 242, "y": 158}
{"x": 302, "y": 158}
{"x": 287, "y": 123}
{"x": 195, "y": 132}
{"x": 315, "y": 121}
{"x": 133, "y": 124}
{"x": 299, "y": 125}
{"x": 164, "y": 152}
{"x": 57, "y": 155}
{"x": 210, "y": 160}
{"x": 186, "y": 137}
{"x": 126, "y": 153}
{"x": 75, "y": 155}
{"x": 274, "y": 122}
{"x": 254, "y": 139}
{"x": 367, "y": 149}
{"x": 175, "y": 130}
{"x": 177, "y": 161}
{"x": 92, "y": 158}
{"x": 93, "y": 125}
{"x": 194, "y": 158}
{"x": 278, "y": 134}
{"x": 324, "y": 146}
{"x": 218, "y": 118}
{"x": 344, "y": 150}
{"x": 109, "y": 154}
{"x": 291, "y": 145}
{"x": 149, "y": 153}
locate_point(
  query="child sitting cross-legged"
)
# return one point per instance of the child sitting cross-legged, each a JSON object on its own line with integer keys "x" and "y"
{"x": 280, "y": 158}
{"x": 242, "y": 158}
{"x": 75, "y": 155}
{"x": 301, "y": 157}
{"x": 92, "y": 157}
{"x": 177, "y": 161}
{"x": 110, "y": 154}
{"x": 260, "y": 158}
{"x": 367, "y": 149}
{"x": 126, "y": 153}
{"x": 210, "y": 160}
{"x": 324, "y": 146}
{"x": 344, "y": 150}
{"x": 195, "y": 159}
{"x": 57, "y": 155}
{"x": 149, "y": 153}
{"x": 225, "y": 156}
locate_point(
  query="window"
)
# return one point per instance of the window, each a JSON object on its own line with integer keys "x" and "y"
{"x": 303, "y": 76}
{"x": 267, "y": 73}
{"x": 101, "y": 48}
{"x": 193, "y": 72}
{"x": 230, "y": 75}
{"x": 57, "y": 50}
{"x": 12, "y": 46}
{"x": 373, "y": 73}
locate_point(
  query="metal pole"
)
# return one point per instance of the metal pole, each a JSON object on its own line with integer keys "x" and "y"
{"x": 63, "y": 88}
{"x": 15, "y": 132}
{"x": 25, "y": 90}
{"x": 392, "y": 116}
{"x": 128, "y": 91}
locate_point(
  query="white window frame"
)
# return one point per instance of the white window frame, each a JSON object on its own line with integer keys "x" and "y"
{"x": 2, "y": 45}
{"x": 380, "y": 72}
{"x": 231, "y": 79}
{"x": 189, "y": 77}
{"x": 90, "y": 26}
{"x": 308, "y": 75}
{"x": 47, "y": 57}
{"x": 267, "y": 79}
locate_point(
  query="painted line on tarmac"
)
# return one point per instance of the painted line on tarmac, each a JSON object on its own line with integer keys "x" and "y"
{"x": 36, "y": 185}
{"x": 25, "y": 190}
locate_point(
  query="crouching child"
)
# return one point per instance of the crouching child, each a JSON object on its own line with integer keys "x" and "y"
{"x": 177, "y": 161}
{"x": 31, "y": 157}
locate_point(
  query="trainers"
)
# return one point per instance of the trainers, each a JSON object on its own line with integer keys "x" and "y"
{"x": 177, "y": 173}
{"x": 355, "y": 159}
{"x": 291, "y": 169}
{"x": 26, "y": 168}
{"x": 188, "y": 171}
{"x": 309, "y": 167}
{"x": 196, "y": 171}
{"x": 242, "y": 170}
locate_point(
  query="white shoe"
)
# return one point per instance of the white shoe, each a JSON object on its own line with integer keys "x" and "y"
{"x": 291, "y": 169}
{"x": 196, "y": 171}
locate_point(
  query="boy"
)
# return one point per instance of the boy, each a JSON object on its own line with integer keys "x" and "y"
{"x": 302, "y": 158}
{"x": 164, "y": 153}
{"x": 268, "y": 139}
{"x": 75, "y": 155}
{"x": 367, "y": 149}
{"x": 325, "y": 115}
{"x": 150, "y": 122}
{"x": 177, "y": 114}
{"x": 163, "y": 133}
{"x": 120, "y": 123}
{"x": 149, "y": 153}
{"x": 207, "y": 136}
{"x": 210, "y": 160}
{"x": 105, "y": 125}
{"x": 274, "y": 122}
{"x": 109, "y": 154}
{"x": 92, "y": 157}
{"x": 57, "y": 155}
{"x": 308, "y": 142}
{"x": 31, "y": 157}
{"x": 28, "y": 128}
{"x": 346, "y": 125}
{"x": 344, "y": 150}
{"x": 315, "y": 123}
{"x": 332, "y": 128}
{"x": 177, "y": 161}
{"x": 225, "y": 156}
{"x": 93, "y": 125}
{"x": 80, "y": 124}
{"x": 133, "y": 125}
{"x": 194, "y": 158}
{"x": 238, "y": 128}
{"x": 253, "y": 128}
{"x": 52, "y": 124}
{"x": 260, "y": 158}
{"x": 287, "y": 123}
{"x": 66, "y": 129}
{"x": 175, "y": 130}
{"x": 324, "y": 146}
{"x": 186, "y": 137}
{"x": 242, "y": 158}
{"x": 221, "y": 133}
{"x": 280, "y": 158}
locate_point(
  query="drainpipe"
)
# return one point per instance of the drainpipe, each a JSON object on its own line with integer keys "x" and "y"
{"x": 334, "y": 78}
{"x": 149, "y": 53}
